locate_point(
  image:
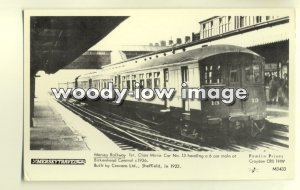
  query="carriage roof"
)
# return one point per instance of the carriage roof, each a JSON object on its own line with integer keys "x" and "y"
{"x": 184, "y": 56}
{"x": 195, "y": 54}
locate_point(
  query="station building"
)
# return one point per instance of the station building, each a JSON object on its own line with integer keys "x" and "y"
{"x": 266, "y": 35}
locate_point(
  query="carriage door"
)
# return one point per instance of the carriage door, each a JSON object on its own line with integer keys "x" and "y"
{"x": 235, "y": 81}
{"x": 166, "y": 80}
{"x": 185, "y": 78}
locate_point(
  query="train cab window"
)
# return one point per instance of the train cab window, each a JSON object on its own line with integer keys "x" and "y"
{"x": 128, "y": 81}
{"x": 213, "y": 74}
{"x": 142, "y": 80}
{"x": 149, "y": 80}
{"x": 234, "y": 73}
{"x": 253, "y": 73}
{"x": 124, "y": 82}
{"x": 156, "y": 79}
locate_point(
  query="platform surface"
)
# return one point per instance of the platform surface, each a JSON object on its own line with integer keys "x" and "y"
{"x": 57, "y": 128}
{"x": 278, "y": 114}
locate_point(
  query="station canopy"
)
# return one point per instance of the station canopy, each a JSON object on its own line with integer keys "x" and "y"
{"x": 56, "y": 41}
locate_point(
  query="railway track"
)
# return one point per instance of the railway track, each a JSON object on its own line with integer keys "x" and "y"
{"x": 274, "y": 138}
{"x": 115, "y": 134}
{"x": 130, "y": 134}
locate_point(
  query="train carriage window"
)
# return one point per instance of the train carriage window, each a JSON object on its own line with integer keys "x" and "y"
{"x": 116, "y": 82}
{"x": 213, "y": 74}
{"x": 234, "y": 73}
{"x": 133, "y": 82}
{"x": 166, "y": 75}
{"x": 242, "y": 21}
{"x": 149, "y": 80}
{"x": 128, "y": 81}
{"x": 98, "y": 83}
{"x": 124, "y": 82}
{"x": 142, "y": 80}
{"x": 133, "y": 85}
{"x": 253, "y": 73}
{"x": 184, "y": 74}
{"x": 119, "y": 82}
{"x": 258, "y": 19}
{"x": 90, "y": 83}
{"x": 85, "y": 84}
{"x": 156, "y": 79}
{"x": 102, "y": 84}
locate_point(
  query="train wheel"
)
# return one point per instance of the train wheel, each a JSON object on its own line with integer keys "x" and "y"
{"x": 257, "y": 127}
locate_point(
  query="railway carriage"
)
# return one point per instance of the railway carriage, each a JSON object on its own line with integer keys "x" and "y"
{"x": 218, "y": 66}
{"x": 84, "y": 82}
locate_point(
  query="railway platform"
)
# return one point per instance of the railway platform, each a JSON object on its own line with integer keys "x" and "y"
{"x": 278, "y": 114}
{"x": 56, "y": 128}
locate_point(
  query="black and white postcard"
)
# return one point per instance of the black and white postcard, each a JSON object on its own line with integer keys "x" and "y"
{"x": 159, "y": 94}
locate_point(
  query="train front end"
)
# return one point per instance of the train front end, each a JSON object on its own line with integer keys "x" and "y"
{"x": 247, "y": 117}
{"x": 236, "y": 70}
{"x": 230, "y": 67}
